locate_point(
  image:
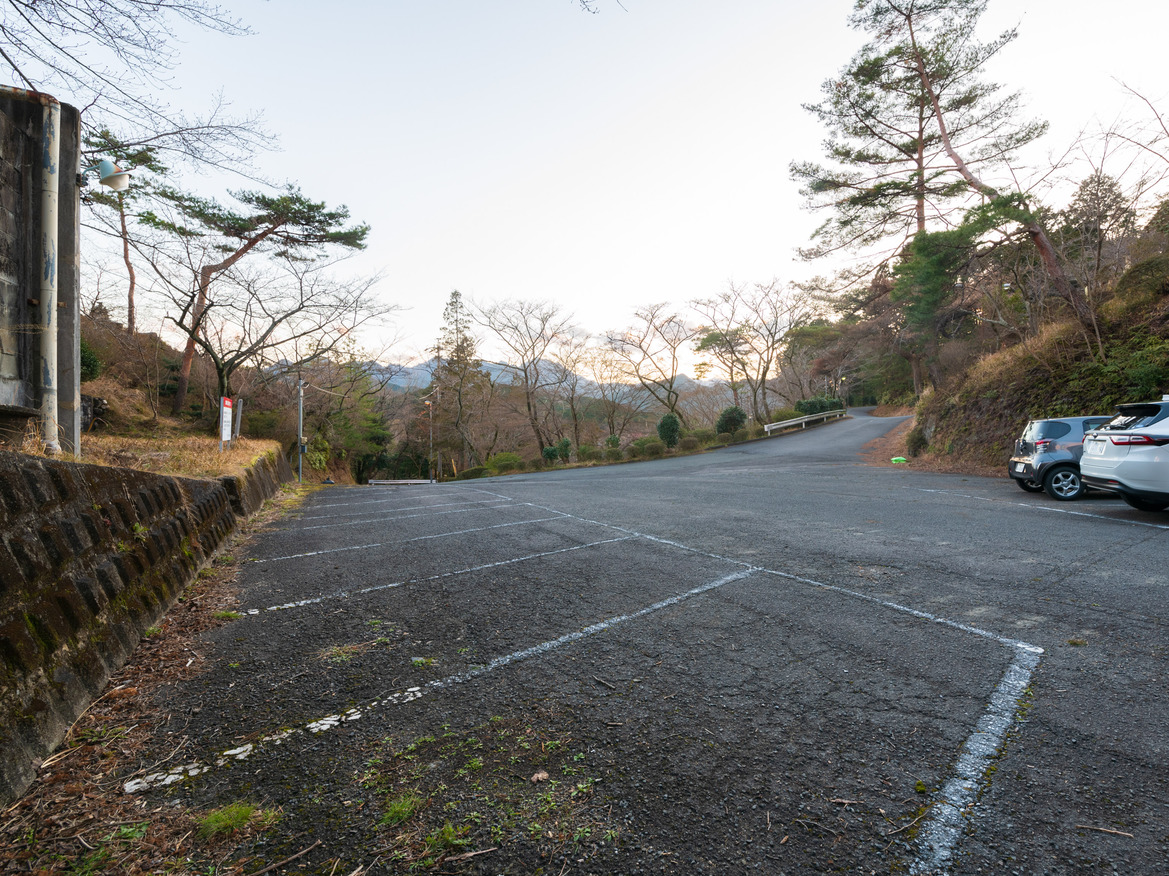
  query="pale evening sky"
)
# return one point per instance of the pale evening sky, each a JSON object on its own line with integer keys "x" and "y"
{"x": 525, "y": 148}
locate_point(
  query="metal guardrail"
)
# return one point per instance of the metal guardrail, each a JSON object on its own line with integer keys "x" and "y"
{"x": 399, "y": 482}
{"x": 803, "y": 422}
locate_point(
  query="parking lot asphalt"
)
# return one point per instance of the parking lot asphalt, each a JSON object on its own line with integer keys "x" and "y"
{"x": 766, "y": 659}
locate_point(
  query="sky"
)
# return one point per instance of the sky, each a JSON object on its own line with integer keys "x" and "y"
{"x": 528, "y": 149}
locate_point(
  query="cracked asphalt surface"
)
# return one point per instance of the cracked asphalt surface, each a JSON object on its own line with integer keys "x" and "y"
{"x": 767, "y": 659}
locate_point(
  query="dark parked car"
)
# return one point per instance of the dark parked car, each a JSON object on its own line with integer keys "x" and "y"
{"x": 1047, "y": 456}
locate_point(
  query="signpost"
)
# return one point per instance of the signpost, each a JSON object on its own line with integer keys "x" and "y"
{"x": 224, "y": 422}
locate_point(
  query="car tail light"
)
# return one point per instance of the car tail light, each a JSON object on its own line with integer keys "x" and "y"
{"x": 1139, "y": 440}
{"x": 1042, "y": 443}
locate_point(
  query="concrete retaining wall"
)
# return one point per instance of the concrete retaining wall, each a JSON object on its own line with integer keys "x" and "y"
{"x": 90, "y": 558}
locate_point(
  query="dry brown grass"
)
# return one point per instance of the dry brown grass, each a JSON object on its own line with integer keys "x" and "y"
{"x": 183, "y": 455}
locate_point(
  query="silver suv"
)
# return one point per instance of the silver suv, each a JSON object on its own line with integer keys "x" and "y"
{"x": 1047, "y": 456}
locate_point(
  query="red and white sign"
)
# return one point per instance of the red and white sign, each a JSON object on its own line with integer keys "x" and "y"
{"x": 225, "y": 419}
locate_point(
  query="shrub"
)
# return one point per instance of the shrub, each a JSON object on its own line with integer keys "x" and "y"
{"x": 90, "y": 363}
{"x": 551, "y": 454}
{"x": 506, "y": 461}
{"x": 689, "y": 444}
{"x": 613, "y": 441}
{"x": 318, "y": 453}
{"x": 818, "y": 405}
{"x": 588, "y": 453}
{"x": 614, "y": 454}
{"x": 262, "y": 424}
{"x": 633, "y": 451}
{"x": 655, "y": 449}
{"x": 784, "y": 414}
{"x": 741, "y": 435}
{"x": 669, "y": 429}
{"x": 732, "y": 419}
{"x": 564, "y": 449}
{"x": 757, "y": 431}
{"x": 704, "y": 436}
{"x": 478, "y": 471}
{"x": 724, "y": 438}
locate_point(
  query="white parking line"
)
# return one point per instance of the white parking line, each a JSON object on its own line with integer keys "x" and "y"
{"x": 408, "y": 695}
{"x": 1051, "y": 508}
{"x": 387, "y": 518}
{"x": 392, "y": 511}
{"x": 939, "y": 832}
{"x": 949, "y": 814}
{"x": 348, "y": 594}
{"x": 361, "y": 547}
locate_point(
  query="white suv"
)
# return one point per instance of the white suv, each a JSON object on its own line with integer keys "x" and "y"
{"x": 1129, "y": 455}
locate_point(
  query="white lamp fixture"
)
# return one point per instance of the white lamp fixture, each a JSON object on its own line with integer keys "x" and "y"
{"x": 109, "y": 174}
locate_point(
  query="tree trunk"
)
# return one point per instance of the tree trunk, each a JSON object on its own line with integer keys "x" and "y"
{"x": 206, "y": 274}
{"x": 131, "y": 321}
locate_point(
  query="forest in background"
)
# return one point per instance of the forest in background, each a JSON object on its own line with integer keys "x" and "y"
{"x": 955, "y": 278}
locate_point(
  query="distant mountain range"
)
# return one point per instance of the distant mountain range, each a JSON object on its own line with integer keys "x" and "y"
{"x": 411, "y": 377}
{"x": 407, "y": 378}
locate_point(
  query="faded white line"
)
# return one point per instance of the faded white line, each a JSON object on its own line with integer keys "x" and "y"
{"x": 844, "y": 591}
{"x": 361, "y": 547}
{"x": 392, "y": 519}
{"x": 939, "y": 835}
{"x": 348, "y": 594}
{"x": 1050, "y": 508}
{"x": 940, "y": 832}
{"x": 329, "y": 722}
{"x": 395, "y": 510}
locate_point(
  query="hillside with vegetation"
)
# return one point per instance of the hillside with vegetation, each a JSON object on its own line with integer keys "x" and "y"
{"x": 976, "y": 416}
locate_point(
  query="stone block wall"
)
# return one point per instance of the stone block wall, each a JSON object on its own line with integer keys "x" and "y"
{"x": 90, "y": 558}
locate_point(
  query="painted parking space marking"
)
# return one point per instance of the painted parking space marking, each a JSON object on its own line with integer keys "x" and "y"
{"x": 427, "y": 507}
{"x": 1049, "y": 508}
{"x": 362, "y": 547}
{"x": 940, "y": 832}
{"x": 330, "y": 722}
{"x": 394, "y": 518}
{"x": 950, "y": 808}
{"x": 349, "y": 594}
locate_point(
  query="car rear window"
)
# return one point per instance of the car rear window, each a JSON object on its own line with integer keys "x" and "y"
{"x": 1137, "y": 416}
{"x": 1049, "y": 429}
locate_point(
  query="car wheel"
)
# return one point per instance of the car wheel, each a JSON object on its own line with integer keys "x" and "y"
{"x": 1029, "y": 486}
{"x": 1063, "y": 484}
{"x": 1145, "y": 504}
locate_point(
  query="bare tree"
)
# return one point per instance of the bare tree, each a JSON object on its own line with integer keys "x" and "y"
{"x": 652, "y": 351}
{"x": 755, "y": 321}
{"x": 528, "y": 330}
{"x": 114, "y": 57}
{"x": 264, "y": 316}
{"x": 621, "y": 401}
{"x": 209, "y": 239}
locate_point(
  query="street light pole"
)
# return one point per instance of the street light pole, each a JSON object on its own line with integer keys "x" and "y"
{"x": 430, "y": 456}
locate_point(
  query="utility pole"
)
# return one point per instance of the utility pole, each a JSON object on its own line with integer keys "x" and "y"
{"x": 430, "y": 455}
